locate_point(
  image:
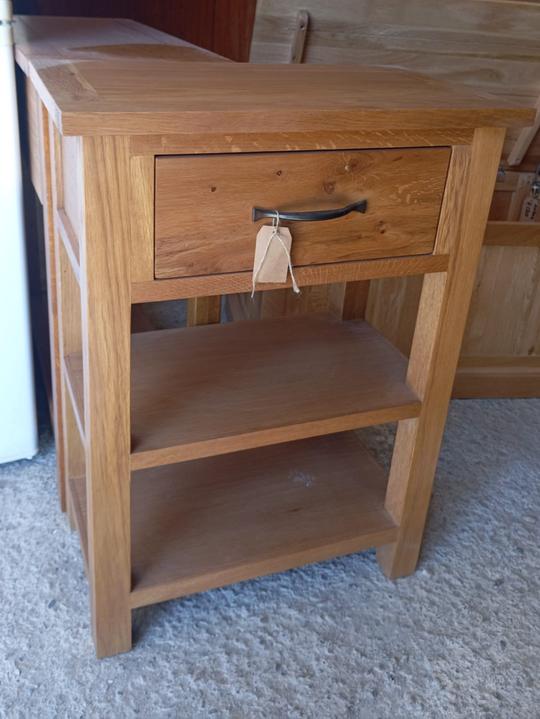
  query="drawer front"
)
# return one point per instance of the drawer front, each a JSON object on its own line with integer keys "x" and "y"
{"x": 203, "y": 213}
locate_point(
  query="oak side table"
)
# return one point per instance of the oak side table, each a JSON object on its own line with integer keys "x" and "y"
{"x": 195, "y": 457}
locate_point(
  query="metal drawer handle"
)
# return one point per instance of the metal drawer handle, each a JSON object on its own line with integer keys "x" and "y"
{"x": 316, "y": 216}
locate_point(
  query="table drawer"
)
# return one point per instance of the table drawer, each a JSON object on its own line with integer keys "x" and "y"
{"x": 203, "y": 213}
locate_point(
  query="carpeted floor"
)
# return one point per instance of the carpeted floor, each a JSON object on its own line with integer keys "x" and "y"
{"x": 460, "y": 638}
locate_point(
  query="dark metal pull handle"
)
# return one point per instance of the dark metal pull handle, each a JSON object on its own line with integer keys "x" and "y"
{"x": 316, "y": 216}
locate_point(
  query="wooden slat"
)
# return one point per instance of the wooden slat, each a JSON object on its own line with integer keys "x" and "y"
{"x": 69, "y": 241}
{"x": 72, "y": 184}
{"x": 142, "y": 218}
{"x": 73, "y": 375}
{"x": 327, "y": 139}
{"x": 70, "y": 341}
{"x": 232, "y": 282}
{"x": 505, "y": 309}
{"x": 299, "y": 37}
{"x": 75, "y": 463}
{"x": 106, "y": 314}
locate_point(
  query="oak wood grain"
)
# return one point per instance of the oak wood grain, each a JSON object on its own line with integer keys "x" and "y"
{"x": 228, "y": 283}
{"x": 217, "y": 389}
{"x": 221, "y": 388}
{"x": 69, "y": 240}
{"x": 203, "y": 206}
{"x": 142, "y": 217}
{"x": 439, "y": 330}
{"x": 204, "y": 311}
{"x": 513, "y": 234}
{"x": 325, "y": 139}
{"x": 74, "y": 382}
{"x": 72, "y": 191}
{"x": 144, "y": 93}
{"x": 207, "y": 523}
{"x": 105, "y": 292}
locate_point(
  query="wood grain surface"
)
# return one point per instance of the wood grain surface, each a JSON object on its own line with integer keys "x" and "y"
{"x": 204, "y": 205}
{"x": 211, "y": 522}
{"x": 442, "y": 315}
{"x": 213, "y": 389}
{"x": 98, "y": 77}
{"x": 106, "y": 315}
{"x": 184, "y": 287}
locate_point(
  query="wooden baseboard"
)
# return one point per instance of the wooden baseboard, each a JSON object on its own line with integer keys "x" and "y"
{"x": 491, "y": 377}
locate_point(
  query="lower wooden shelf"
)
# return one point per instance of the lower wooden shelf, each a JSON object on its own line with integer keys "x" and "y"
{"x": 215, "y": 521}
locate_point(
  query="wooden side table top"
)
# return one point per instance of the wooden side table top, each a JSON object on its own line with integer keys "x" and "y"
{"x": 100, "y": 77}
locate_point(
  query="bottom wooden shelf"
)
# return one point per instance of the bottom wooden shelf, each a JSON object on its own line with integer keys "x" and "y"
{"x": 210, "y": 522}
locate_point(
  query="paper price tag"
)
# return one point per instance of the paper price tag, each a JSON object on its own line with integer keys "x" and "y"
{"x": 529, "y": 210}
{"x": 271, "y": 262}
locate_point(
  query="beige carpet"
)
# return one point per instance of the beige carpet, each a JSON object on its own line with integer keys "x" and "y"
{"x": 460, "y": 638}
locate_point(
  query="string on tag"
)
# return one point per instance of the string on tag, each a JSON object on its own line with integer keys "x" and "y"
{"x": 276, "y": 234}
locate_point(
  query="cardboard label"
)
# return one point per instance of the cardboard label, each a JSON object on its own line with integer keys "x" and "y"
{"x": 271, "y": 262}
{"x": 529, "y": 211}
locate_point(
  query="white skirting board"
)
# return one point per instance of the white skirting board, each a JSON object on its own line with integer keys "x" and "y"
{"x": 18, "y": 431}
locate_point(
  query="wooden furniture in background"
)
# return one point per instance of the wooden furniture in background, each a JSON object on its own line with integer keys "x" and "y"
{"x": 222, "y": 26}
{"x": 490, "y": 45}
{"x": 199, "y": 456}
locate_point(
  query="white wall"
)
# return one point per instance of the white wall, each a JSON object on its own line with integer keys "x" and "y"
{"x": 18, "y": 434}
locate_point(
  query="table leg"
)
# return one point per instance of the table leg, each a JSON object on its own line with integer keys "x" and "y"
{"x": 440, "y": 325}
{"x": 106, "y": 306}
